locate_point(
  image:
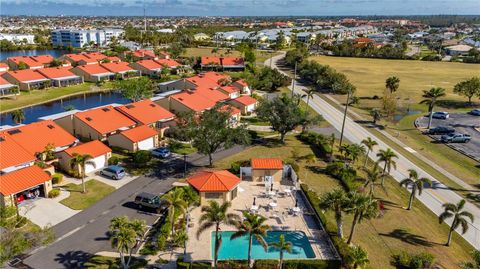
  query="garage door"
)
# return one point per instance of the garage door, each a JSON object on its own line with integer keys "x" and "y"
{"x": 146, "y": 144}
{"x": 99, "y": 164}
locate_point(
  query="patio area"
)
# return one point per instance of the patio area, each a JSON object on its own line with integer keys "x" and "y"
{"x": 283, "y": 206}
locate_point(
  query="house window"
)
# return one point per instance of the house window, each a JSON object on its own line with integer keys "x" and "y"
{"x": 213, "y": 195}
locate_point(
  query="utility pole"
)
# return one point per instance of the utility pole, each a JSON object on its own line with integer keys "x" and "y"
{"x": 344, "y": 118}
{"x": 294, "y": 78}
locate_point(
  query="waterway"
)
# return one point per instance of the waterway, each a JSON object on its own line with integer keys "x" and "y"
{"x": 81, "y": 102}
{"x": 54, "y": 52}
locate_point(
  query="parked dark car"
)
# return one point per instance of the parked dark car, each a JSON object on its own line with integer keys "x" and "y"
{"x": 456, "y": 138}
{"x": 475, "y": 112}
{"x": 440, "y": 130}
{"x": 113, "y": 171}
{"x": 441, "y": 115}
{"x": 148, "y": 201}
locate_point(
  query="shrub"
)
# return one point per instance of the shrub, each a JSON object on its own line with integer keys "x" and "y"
{"x": 119, "y": 150}
{"x": 345, "y": 174}
{"x": 141, "y": 157}
{"x": 265, "y": 264}
{"x": 235, "y": 166}
{"x": 406, "y": 260}
{"x": 232, "y": 265}
{"x": 53, "y": 193}
{"x": 21, "y": 221}
{"x": 148, "y": 249}
{"x": 57, "y": 178}
{"x": 114, "y": 160}
{"x": 181, "y": 264}
{"x": 311, "y": 264}
{"x": 318, "y": 140}
{"x": 201, "y": 265}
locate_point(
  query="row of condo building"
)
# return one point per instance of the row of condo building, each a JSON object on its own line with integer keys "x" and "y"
{"x": 25, "y": 168}
{"x": 92, "y": 67}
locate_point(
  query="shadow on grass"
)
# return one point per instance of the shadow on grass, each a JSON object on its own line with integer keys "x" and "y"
{"x": 455, "y": 104}
{"x": 409, "y": 238}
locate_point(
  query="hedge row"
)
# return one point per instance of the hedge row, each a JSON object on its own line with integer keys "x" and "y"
{"x": 263, "y": 264}
{"x": 318, "y": 140}
{"x": 346, "y": 175}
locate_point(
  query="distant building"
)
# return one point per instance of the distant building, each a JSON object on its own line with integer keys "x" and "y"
{"x": 201, "y": 37}
{"x": 18, "y": 38}
{"x": 78, "y": 38}
{"x": 458, "y": 50}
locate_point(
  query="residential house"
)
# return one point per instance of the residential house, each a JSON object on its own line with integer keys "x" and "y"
{"x": 122, "y": 69}
{"x": 243, "y": 86}
{"x": 93, "y": 72}
{"x": 232, "y": 91}
{"x": 149, "y": 67}
{"x": 230, "y": 63}
{"x": 18, "y": 157}
{"x": 112, "y": 59}
{"x": 212, "y": 94}
{"x": 220, "y": 186}
{"x": 77, "y": 59}
{"x": 189, "y": 101}
{"x": 60, "y": 76}
{"x": 100, "y": 154}
{"x": 7, "y": 88}
{"x": 141, "y": 54}
{"x": 201, "y": 37}
{"x": 234, "y": 112}
{"x": 27, "y": 79}
{"x": 458, "y": 50}
{"x": 267, "y": 170}
{"x": 206, "y": 79}
{"x": 173, "y": 65}
{"x": 32, "y": 62}
{"x": 163, "y": 55}
{"x": 4, "y": 67}
{"x": 139, "y": 138}
{"x": 146, "y": 112}
{"x": 245, "y": 103}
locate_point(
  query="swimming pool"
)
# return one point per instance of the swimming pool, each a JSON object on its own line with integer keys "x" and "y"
{"x": 237, "y": 249}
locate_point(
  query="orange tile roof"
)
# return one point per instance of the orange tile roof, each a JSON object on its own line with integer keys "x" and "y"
{"x": 225, "y": 61}
{"x": 104, "y": 119}
{"x": 12, "y": 154}
{"x": 194, "y": 100}
{"x": 139, "y": 133}
{"x": 56, "y": 72}
{"x": 114, "y": 59}
{"x": 149, "y": 64}
{"x": 43, "y": 59}
{"x": 242, "y": 82}
{"x": 4, "y": 65}
{"x": 22, "y": 179}
{"x": 26, "y": 75}
{"x": 228, "y": 108}
{"x": 214, "y": 181}
{"x": 3, "y": 81}
{"x": 145, "y": 112}
{"x": 93, "y": 69}
{"x": 94, "y": 148}
{"x": 170, "y": 63}
{"x": 26, "y": 59}
{"x": 119, "y": 67}
{"x": 208, "y": 79}
{"x": 164, "y": 53}
{"x": 142, "y": 53}
{"x": 245, "y": 100}
{"x": 267, "y": 163}
{"x": 34, "y": 137}
{"x": 212, "y": 94}
{"x": 230, "y": 89}
{"x": 80, "y": 57}
{"x": 97, "y": 56}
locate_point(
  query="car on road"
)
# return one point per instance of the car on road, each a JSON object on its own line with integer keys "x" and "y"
{"x": 114, "y": 172}
{"x": 162, "y": 152}
{"x": 441, "y": 115}
{"x": 441, "y": 130}
{"x": 475, "y": 112}
{"x": 456, "y": 138}
{"x": 149, "y": 201}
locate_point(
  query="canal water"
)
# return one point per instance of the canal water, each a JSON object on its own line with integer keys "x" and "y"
{"x": 81, "y": 102}
{"x": 54, "y": 52}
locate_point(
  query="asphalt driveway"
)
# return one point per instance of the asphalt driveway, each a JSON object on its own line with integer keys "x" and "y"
{"x": 463, "y": 123}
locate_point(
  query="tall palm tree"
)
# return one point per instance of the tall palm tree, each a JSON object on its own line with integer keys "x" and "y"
{"x": 386, "y": 156}
{"x": 80, "y": 160}
{"x": 336, "y": 201}
{"x": 18, "y": 116}
{"x": 376, "y": 115}
{"x": 430, "y": 98}
{"x": 416, "y": 183}
{"x": 459, "y": 215}
{"x": 253, "y": 225}
{"x": 215, "y": 214}
{"x": 357, "y": 257}
{"x": 369, "y": 143}
{"x": 362, "y": 207}
{"x": 175, "y": 202}
{"x": 123, "y": 240}
{"x": 356, "y": 150}
{"x": 373, "y": 175}
{"x": 392, "y": 84}
{"x": 282, "y": 246}
{"x": 309, "y": 94}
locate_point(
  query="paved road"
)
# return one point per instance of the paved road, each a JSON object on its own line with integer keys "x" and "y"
{"x": 85, "y": 233}
{"x": 433, "y": 197}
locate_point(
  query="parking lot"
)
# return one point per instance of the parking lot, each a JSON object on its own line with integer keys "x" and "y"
{"x": 463, "y": 123}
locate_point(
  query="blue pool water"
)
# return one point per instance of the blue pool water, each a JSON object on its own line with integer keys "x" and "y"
{"x": 237, "y": 249}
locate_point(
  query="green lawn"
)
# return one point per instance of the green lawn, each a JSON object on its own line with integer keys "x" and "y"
{"x": 199, "y": 52}
{"x": 42, "y": 96}
{"x": 102, "y": 262}
{"x": 398, "y": 230}
{"x": 77, "y": 200}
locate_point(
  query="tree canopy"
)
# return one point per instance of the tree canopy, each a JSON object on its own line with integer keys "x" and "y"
{"x": 136, "y": 89}
{"x": 468, "y": 88}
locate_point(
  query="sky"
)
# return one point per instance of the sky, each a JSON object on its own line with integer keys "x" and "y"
{"x": 238, "y": 7}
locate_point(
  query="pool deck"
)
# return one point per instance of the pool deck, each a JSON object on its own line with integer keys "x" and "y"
{"x": 279, "y": 219}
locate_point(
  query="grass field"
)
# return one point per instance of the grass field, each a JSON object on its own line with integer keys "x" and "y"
{"x": 41, "y": 96}
{"x": 398, "y": 230}
{"x": 77, "y": 200}
{"x": 369, "y": 75}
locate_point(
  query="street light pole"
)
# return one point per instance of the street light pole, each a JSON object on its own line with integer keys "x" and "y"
{"x": 344, "y": 117}
{"x": 294, "y": 78}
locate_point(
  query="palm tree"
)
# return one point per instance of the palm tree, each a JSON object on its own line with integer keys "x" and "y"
{"x": 376, "y": 115}
{"x": 309, "y": 94}
{"x": 80, "y": 160}
{"x": 369, "y": 143}
{"x": 362, "y": 207}
{"x": 386, "y": 156}
{"x": 357, "y": 257}
{"x": 214, "y": 215}
{"x": 174, "y": 201}
{"x": 356, "y": 150}
{"x": 253, "y": 225}
{"x": 282, "y": 246}
{"x": 392, "y": 84}
{"x": 459, "y": 218}
{"x": 336, "y": 201}
{"x": 181, "y": 239}
{"x": 18, "y": 116}
{"x": 416, "y": 183}
{"x": 123, "y": 240}
{"x": 431, "y": 97}
{"x": 372, "y": 178}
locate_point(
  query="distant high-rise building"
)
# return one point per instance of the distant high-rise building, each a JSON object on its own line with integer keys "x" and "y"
{"x": 79, "y": 38}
